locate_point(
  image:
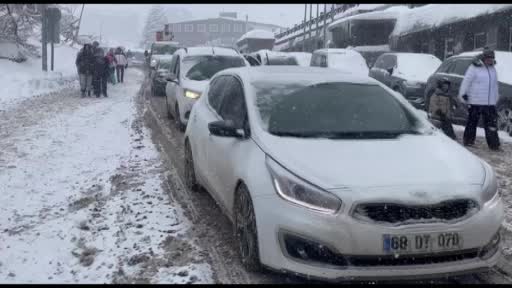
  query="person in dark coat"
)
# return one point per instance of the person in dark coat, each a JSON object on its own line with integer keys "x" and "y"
{"x": 442, "y": 105}
{"x": 479, "y": 90}
{"x": 101, "y": 73}
{"x": 84, "y": 63}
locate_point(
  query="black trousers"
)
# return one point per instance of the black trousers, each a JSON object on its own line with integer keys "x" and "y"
{"x": 446, "y": 126}
{"x": 490, "y": 116}
{"x": 120, "y": 73}
{"x": 99, "y": 85}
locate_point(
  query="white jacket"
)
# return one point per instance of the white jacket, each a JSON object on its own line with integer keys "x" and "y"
{"x": 480, "y": 84}
{"x": 121, "y": 60}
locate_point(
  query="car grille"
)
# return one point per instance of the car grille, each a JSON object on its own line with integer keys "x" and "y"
{"x": 400, "y": 214}
{"x": 423, "y": 259}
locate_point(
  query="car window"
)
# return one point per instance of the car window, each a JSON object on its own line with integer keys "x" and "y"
{"x": 331, "y": 109}
{"x": 379, "y": 63}
{"x": 445, "y": 67}
{"x": 323, "y": 60}
{"x": 389, "y": 61}
{"x": 460, "y": 67}
{"x": 216, "y": 92}
{"x": 233, "y": 102}
{"x": 200, "y": 68}
{"x": 252, "y": 60}
{"x": 315, "y": 60}
{"x": 177, "y": 67}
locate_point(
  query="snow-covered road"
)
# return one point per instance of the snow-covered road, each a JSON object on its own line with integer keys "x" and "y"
{"x": 82, "y": 197}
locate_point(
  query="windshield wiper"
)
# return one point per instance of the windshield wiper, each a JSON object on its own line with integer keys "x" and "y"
{"x": 347, "y": 134}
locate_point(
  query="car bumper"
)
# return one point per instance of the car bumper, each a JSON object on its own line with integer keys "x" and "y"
{"x": 349, "y": 238}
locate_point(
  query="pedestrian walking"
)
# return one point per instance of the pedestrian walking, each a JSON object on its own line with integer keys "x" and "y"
{"x": 479, "y": 90}
{"x": 121, "y": 64}
{"x": 112, "y": 66}
{"x": 442, "y": 105}
{"x": 84, "y": 63}
{"x": 101, "y": 73}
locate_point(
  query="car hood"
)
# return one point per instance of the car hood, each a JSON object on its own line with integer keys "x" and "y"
{"x": 406, "y": 161}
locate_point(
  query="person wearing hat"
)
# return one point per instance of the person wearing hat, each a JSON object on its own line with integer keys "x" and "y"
{"x": 441, "y": 105}
{"x": 84, "y": 63}
{"x": 479, "y": 90}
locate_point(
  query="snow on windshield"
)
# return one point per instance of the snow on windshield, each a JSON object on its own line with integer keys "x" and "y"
{"x": 417, "y": 67}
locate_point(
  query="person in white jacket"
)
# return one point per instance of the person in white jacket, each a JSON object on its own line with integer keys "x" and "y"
{"x": 479, "y": 90}
{"x": 121, "y": 64}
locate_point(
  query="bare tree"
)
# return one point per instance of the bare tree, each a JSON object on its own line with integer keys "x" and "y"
{"x": 155, "y": 21}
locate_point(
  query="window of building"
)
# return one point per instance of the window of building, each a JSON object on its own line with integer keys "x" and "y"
{"x": 214, "y": 28}
{"x": 189, "y": 28}
{"x": 238, "y": 28}
{"x": 201, "y": 27}
{"x": 226, "y": 27}
{"x": 176, "y": 27}
{"x": 480, "y": 40}
{"x": 448, "y": 47}
{"x": 461, "y": 65}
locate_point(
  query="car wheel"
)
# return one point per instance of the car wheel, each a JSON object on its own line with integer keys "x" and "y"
{"x": 169, "y": 114}
{"x": 245, "y": 230}
{"x": 505, "y": 119}
{"x": 190, "y": 174}
{"x": 177, "y": 118}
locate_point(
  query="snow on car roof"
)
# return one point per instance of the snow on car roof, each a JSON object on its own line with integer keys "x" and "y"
{"x": 257, "y": 34}
{"x": 209, "y": 50}
{"x": 336, "y": 51}
{"x": 298, "y": 73}
{"x": 390, "y": 13}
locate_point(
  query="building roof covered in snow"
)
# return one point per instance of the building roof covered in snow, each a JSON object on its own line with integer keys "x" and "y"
{"x": 390, "y": 13}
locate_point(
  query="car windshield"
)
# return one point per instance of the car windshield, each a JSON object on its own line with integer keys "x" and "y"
{"x": 164, "y": 49}
{"x": 348, "y": 61}
{"x": 332, "y": 110}
{"x": 278, "y": 61}
{"x": 200, "y": 68}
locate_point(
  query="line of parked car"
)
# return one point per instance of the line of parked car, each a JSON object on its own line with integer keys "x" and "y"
{"x": 326, "y": 172}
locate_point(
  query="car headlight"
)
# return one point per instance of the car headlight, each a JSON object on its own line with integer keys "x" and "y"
{"x": 298, "y": 191}
{"x": 153, "y": 63}
{"x": 412, "y": 84}
{"x": 490, "y": 186}
{"x": 192, "y": 94}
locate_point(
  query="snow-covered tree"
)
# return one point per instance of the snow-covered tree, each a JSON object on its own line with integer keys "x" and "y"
{"x": 69, "y": 21}
{"x": 155, "y": 21}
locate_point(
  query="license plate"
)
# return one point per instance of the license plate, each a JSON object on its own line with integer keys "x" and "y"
{"x": 421, "y": 243}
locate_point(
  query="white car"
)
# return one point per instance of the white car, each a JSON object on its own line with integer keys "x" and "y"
{"x": 275, "y": 58}
{"x": 341, "y": 59}
{"x": 191, "y": 70}
{"x": 335, "y": 176}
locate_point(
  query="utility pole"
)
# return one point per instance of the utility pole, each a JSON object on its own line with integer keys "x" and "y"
{"x": 79, "y": 22}
{"x": 325, "y": 24}
{"x": 44, "y": 34}
{"x": 316, "y": 29}
{"x": 304, "y": 33}
{"x": 310, "y": 25}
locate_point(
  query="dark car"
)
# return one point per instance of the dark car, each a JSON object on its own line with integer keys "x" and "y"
{"x": 406, "y": 73}
{"x": 159, "y": 77}
{"x": 454, "y": 69}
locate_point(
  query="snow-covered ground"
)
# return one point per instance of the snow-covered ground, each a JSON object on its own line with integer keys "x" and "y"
{"x": 82, "y": 197}
{"x": 480, "y": 132}
{"x": 19, "y": 81}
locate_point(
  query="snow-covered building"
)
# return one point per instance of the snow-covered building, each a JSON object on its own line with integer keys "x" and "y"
{"x": 255, "y": 40}
{"x": 448, "y": 29}
{"x": 224, "y": 30}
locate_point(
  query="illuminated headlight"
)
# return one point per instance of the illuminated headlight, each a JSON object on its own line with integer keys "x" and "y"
{"x": 153, "y": 63}
{"x": 412, "y": 84}
{"x": 300, "y": 192}
{"x": 490, "y": 186}
{"x": 192, "y": 94}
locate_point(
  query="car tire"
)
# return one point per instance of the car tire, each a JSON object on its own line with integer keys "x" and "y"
{"x": 177, "y": 119}
{"x": 505, "y": 117}
{"x": 245, "y": 229}
{"x": 169, "y": 114}
{"x": 190, "y": 174}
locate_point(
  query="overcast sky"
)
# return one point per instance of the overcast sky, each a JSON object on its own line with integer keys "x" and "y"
{"x": 123, "y": 23}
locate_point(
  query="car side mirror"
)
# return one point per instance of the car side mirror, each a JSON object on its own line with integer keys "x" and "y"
{"x": 225, "y": 129}
{"x": 172, "y": 78}
{"x": 390, "y": 71}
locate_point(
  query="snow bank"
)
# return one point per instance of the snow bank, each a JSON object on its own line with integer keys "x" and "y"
{"x": 257, "y": 34}
{"x": 24, "y": 80}
{"x": 434, "y": 15}
{"x": 417, "y": 66}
